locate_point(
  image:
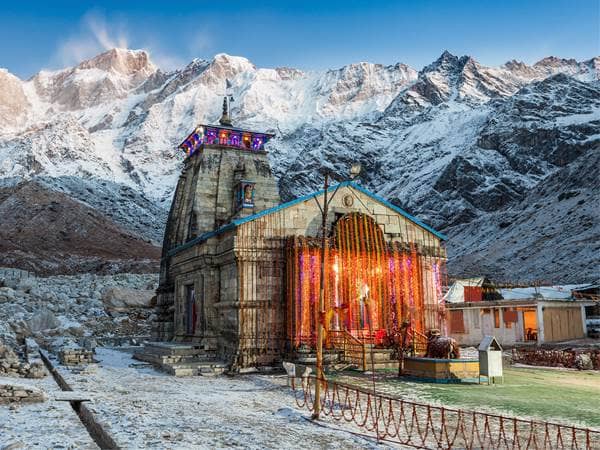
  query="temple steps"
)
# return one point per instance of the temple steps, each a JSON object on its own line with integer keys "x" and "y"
{"x": 334, "y": 360}
{"x": 182, "y": 360}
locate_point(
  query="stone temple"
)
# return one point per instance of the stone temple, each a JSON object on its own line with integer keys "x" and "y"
{"x": 240, "y": 271}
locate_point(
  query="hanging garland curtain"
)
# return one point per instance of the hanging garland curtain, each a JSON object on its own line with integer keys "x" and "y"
{"x": 372, "y": 286}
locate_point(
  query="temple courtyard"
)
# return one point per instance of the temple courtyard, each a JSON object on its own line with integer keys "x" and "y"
{"x": 143, "y": 408}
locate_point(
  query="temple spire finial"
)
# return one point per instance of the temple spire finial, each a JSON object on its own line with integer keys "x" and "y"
{"x": 225, "y": 119}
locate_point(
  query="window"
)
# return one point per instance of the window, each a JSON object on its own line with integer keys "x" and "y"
{"x": 475, "y": 318}
{"x": 457, "y": 323}
{"x": 496, "y": 318}
{"x": 510, "y": 315}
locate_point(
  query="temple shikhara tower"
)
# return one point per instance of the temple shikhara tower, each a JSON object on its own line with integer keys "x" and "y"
{"x": 240, "y": 272}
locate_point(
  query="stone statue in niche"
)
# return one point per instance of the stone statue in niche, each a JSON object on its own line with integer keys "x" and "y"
{"x": 245, "y": 195}
{"x": 248, "y": 194}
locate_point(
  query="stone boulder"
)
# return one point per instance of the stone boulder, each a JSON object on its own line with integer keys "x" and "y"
{"x": 583, "y": 361}
{"x": 43, "y": 320}
{"x": 124, "y": 300}
{"x": 7, "y": 294}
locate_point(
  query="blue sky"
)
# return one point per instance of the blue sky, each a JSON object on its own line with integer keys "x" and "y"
{"x": 304, "y": 34}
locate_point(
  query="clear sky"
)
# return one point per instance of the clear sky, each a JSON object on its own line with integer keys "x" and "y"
{"x": 305, "y": 34}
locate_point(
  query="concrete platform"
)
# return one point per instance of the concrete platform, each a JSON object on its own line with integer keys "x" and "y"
{"x": 439, "y": 370}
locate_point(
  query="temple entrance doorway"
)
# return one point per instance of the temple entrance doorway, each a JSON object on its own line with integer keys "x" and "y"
{"x": 372, "y": 285}
{"x": 190, "y": 309}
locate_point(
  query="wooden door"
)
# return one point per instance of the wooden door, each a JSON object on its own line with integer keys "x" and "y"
{"x": 487, "y": 324}
{"x": 561, "y": 324}
{"x": 190, "y": 309}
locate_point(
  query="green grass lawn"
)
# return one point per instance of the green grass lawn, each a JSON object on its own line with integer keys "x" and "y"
{"x": 555, "y": 395}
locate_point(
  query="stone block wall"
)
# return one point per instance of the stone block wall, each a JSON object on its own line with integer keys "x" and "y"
{"x": 20, "y": 394}
{"x": 74, "y": 356}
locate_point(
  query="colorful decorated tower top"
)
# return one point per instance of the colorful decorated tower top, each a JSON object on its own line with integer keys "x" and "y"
{"x": 224, "y": 135}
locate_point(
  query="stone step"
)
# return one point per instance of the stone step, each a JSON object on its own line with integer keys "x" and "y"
{"x": 168, "y": 353}
{"x": 160, "y": 360}
{"x": 384, "y": 365}
{"x": 380, "y": 356}
{"x": 204, "y": 368}
{"x": 173, "y": 349}
{"x": 333, "y": 359}
{"x": 311, "y": 358}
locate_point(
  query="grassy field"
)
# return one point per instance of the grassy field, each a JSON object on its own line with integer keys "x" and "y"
{"x": 555, "y": 395}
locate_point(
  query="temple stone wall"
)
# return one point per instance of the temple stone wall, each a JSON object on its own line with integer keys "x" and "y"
{"x": 213, "y": 191}
{"x": 304, "y": 219}
{"x": 205, "y": 195}
{"x": 239, "y": 275}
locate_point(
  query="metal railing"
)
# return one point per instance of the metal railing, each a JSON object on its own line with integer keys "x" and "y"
{"x": 353, "y": 349}
{"x": 418, "y": 343}
{"x": 436, "y": 427}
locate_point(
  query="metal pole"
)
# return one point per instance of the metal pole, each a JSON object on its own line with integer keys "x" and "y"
{"x": 321, "y": 315}
{"x": 373, "y": 369}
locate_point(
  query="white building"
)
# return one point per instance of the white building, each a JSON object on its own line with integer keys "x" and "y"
{"x": 540, "y": 314}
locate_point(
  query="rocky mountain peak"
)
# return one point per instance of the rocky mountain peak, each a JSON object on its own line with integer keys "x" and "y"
{"x": 442, "y": 81}
{"x": 555, "y": 62}
{"x": 229, "y": 65}
{"x": 446, "y": 61}
{"x": 13, "y": 102}
{"x": 123, "y": 61}
{"x": 222, "y": 67}
{"x": 513, "y": 64}
{"x": 289, "y": 73}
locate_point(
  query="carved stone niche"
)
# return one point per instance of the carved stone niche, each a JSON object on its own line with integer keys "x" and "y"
{"x": 244, "y": 195}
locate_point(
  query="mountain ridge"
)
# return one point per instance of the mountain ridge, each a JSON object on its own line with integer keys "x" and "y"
{"x": 454, "y": 143}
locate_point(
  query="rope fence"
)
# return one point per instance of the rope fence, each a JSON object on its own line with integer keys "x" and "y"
{"x": 436, "y": 427}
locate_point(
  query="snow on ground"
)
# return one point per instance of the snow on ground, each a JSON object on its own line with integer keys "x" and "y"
{"x": 143, "y": 408}
{"x": 49, "y": 424}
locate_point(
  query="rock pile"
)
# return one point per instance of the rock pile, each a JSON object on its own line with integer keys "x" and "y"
{"x": 20, "y": 394}
{"x": 70, "y": 306}
{"x": 11, "y": 365}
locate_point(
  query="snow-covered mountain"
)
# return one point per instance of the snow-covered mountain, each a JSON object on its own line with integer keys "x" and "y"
{"x": 464, "y": 146}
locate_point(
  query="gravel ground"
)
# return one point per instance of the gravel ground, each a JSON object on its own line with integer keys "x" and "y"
{"x": 50, "y": 424}
{"x": 143, "y": 408}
